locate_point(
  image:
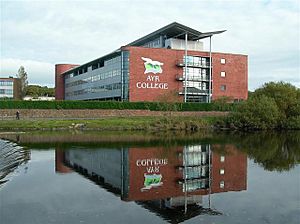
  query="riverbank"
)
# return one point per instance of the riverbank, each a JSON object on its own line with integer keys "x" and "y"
{"x": 113, "y": 123}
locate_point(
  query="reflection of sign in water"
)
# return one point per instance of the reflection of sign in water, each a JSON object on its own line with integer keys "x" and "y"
{"x": 152, "y": 176}
{"x": 152, "y": 66}
{"x": 152, "y": 180}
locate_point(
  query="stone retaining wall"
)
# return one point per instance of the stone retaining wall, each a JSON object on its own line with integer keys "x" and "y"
{"x": 95, "y": 113}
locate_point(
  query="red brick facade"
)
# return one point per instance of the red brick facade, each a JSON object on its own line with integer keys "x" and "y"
{"x": 60, "y": 81}
{"x": 235, "y": 68}
{"x": 236, "y": 76}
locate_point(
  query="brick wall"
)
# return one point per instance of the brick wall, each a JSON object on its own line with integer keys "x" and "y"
{"x": 235, "y": 68}
{"x": 236, "y": 76}
{"x": 58, "y": 114}
{"x": 168, "y": 75}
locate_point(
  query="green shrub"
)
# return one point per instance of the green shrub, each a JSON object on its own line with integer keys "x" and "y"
{"x": 293, "y": 122}
{"x": 275, "y": 105}
{"x": 257, "y": 113}
{"x": 153, "y": 106}
{"x": 284, "y": 94}
{"x": 287, "y": 98}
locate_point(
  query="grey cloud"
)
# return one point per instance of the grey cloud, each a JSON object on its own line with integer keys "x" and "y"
{"x": 61, "y": 32}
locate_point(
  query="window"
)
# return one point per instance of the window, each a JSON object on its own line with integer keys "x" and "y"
{"x": 222, "y": 158}
{"x": 222, "y": 171}
{"x": 223, "y": 74}
{"x": 223, "y": 87}
{"x": 223, "y": 61}
{"x": 222, "y": 184}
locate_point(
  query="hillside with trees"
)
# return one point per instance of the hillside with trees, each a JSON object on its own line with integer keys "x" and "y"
{"x": 38, "y": 91}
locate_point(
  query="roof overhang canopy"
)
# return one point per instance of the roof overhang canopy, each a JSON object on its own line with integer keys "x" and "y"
{"x": 174, "y": 30}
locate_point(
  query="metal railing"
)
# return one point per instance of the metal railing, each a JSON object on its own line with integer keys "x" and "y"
{"x": 181, "y": 63}
{"x": 198, "y": 92}
{"x": 192, "y": 78}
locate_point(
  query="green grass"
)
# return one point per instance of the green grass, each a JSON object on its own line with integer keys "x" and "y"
{"x": 115, "y": 123}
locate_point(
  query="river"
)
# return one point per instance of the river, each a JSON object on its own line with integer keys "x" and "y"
{"x": 138, "y": 177}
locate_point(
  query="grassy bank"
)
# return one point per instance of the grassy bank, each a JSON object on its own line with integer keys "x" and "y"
{"x": 114, "y": 123}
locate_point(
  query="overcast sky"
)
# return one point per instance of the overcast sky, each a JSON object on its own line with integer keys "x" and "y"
{"x": 39, "y": 34}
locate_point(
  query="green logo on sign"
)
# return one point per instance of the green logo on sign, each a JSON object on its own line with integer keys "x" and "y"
{"x": 152, "y": 66}
{"x": 152, "y": 180}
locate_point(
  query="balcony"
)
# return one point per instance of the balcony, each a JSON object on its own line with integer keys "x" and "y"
{"x": 181, "y": 63}
{"x": 194, "y": 91}
{"x": 192, "y": 78}
{"x": 193, "y": 185}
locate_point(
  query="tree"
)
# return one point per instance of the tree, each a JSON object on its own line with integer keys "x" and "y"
{"x": 37, "y": 91}
{"x": 274, "y": 105}
{"x": 22, "y": 75}
{"x": 257, "y": 113}
{"x": 33, "y": 91}
{"x": 285, "y": 95}
{"x": 287, "y": 98}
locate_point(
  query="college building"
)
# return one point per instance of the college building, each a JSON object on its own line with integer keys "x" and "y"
{"x": 10, "y": 88}
{"x": 167, "y": 63}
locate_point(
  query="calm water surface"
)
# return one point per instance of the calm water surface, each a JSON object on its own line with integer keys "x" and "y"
{"x": 149, "y": 178}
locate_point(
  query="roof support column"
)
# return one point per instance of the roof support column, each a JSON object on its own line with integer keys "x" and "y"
{"x": 210, "y": 72}
{"x": 185, "y": 68}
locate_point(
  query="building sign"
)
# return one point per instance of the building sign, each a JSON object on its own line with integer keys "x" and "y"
{"x": 152, "y": 66}
{"x": 152, "y": 175}
{"x": 152, "y": 81}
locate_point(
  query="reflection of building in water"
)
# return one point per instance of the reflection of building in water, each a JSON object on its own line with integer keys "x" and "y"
{"x": 60, "y": 167}
{"x": 165, "y": 181}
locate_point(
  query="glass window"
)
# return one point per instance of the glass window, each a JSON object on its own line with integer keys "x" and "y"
{"x": 222, "y": 184}
{"x": 197, "y": 61}
{"x": 223, "y": 87}
{"x": 223, "y": 74}
{"x": 222, "y": 171}
{"x": 223, "y": 61}
{"x": 222, "y": 159}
